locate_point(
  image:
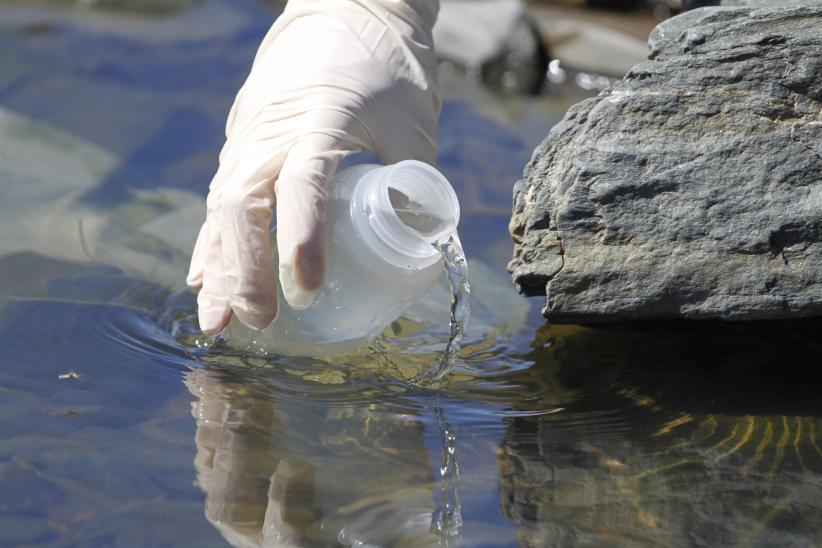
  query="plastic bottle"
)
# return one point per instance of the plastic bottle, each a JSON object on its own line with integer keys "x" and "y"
{"x": 382, "y": 223}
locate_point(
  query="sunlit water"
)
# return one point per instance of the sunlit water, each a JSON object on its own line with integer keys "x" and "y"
{"x": 121, "y": 425}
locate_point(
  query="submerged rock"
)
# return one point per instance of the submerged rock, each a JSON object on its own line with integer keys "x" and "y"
{"x": 693, "y": 188}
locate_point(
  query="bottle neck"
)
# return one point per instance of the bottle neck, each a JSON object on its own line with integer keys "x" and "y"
{"x": 400, "y": 211}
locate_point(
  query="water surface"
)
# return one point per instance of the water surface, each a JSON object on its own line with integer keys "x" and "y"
{"x": 121, "y": 425}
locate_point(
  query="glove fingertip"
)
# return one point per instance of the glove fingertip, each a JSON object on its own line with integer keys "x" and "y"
{"x": 302, "y": 280}
{"x": 259, "y": 318}
{"x": 299, "y": 298}
{"x": 214, "y": 314}
{"x": 194, "y": 280}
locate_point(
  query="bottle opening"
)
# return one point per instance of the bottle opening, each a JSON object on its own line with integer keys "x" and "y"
{"x": 414, "y": 215}
{"x": 422, "y": 200}
{"x": 407, "y": 207}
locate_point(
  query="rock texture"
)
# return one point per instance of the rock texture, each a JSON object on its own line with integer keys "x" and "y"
{"x": 693, "y": 188}
{"x": 768, "y": 3}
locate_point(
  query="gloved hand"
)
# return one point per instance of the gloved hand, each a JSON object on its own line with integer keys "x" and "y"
{"x": 331, "y": 77}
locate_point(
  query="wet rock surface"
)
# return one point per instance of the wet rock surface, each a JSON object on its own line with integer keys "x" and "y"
{"x": 691, "y": 189}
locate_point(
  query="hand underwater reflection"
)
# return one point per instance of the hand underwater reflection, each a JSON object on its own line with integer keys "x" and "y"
{"x": 283, "y": 473}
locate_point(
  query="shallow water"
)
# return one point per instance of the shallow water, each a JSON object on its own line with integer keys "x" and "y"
{"x": 121, "y": 425}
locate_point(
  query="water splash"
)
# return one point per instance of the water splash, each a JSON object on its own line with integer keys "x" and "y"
{"x": 447, "y": 518}
{"x": 456, "y": 268}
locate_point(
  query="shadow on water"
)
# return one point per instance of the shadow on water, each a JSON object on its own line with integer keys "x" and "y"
{"x": 671, "y": 434}
{"x": 749, "y": 368}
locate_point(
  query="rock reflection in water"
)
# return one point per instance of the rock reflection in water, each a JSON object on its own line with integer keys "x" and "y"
{"x": 691, "y": 434}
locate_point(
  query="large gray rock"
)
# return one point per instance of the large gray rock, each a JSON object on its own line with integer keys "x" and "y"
{"x": 693, "y": 188}
{"x": 769, "y": 3}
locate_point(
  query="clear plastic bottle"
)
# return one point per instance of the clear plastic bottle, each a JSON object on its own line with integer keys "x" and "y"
{"x": 382, "y": 223}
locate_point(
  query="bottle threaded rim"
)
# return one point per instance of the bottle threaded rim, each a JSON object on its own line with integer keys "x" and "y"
{"x": 403, "y": 236}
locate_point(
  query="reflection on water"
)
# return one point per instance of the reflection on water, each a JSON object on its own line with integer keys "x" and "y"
{"x": 447, "y": 518}
{"x": 679, "y": 434}
{"x": 683, "y": 434}
{"x": 662, "y": 435}
{"x": 311, "y": 471}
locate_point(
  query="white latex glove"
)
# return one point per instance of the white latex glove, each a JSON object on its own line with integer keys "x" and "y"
{"x": 331, "y": 77}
